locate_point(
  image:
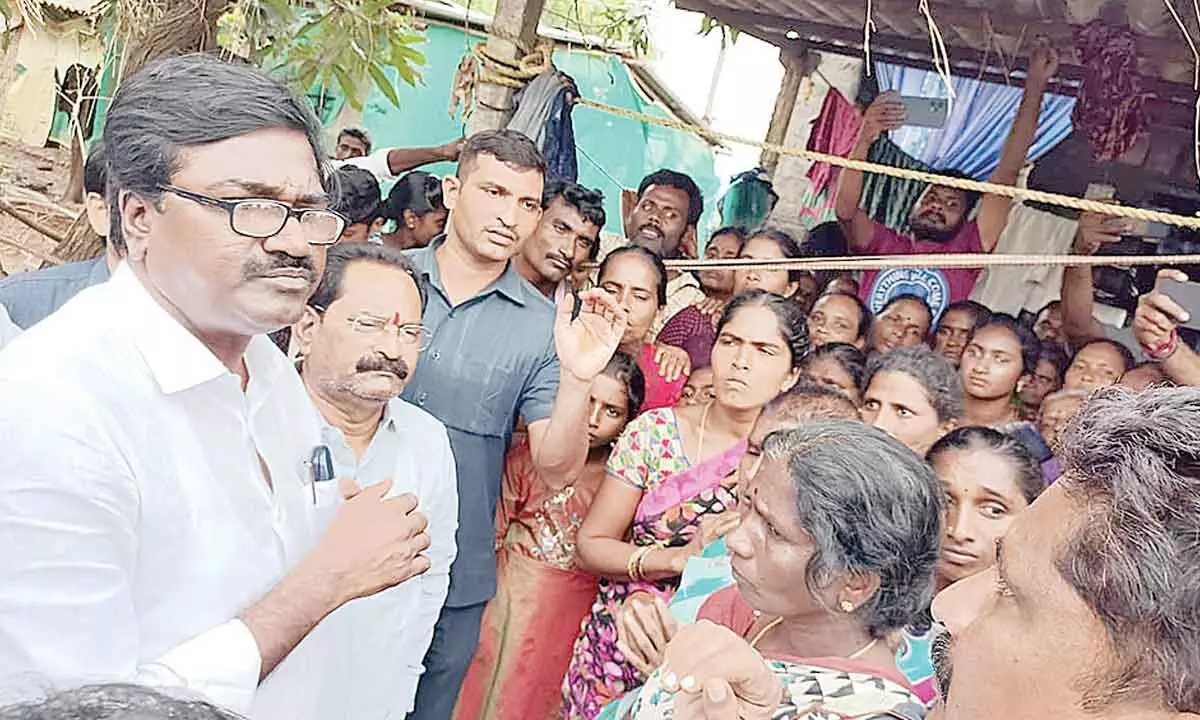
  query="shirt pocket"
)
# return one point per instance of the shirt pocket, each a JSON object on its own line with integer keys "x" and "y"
{"x": 483, "y": 398}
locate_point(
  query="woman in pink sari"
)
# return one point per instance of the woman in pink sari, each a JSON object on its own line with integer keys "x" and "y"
{"x": 670, "y": 487}
{"x": 542, "y": 595}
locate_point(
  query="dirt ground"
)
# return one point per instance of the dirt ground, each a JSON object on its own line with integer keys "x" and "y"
{"x": 44, "y": 172}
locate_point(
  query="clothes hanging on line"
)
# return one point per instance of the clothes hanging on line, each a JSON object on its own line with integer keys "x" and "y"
{"x": 543, "y": 114}
{"x": 834, "y": 132}
{"x": 1111, "y": 110}
{"x": 1013, "y": 289}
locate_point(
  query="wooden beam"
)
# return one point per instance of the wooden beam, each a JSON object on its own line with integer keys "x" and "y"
{"x": 849, "y": 41}
{"x": 785, "y": 104}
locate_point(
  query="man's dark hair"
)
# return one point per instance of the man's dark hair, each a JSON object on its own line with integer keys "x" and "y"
{"x": 660, "y": 267}
{"x": 95, "y": 177}
{"x": 358, "y": 134}
{"x": 589, "y": 203}
{"x": 358, "y": 195}
{"x": 1028, "y": 341}
{"x": 510, "y": 147}
{"x": 417, "y": 191}
{"x": 342, "y": 256}
{"x": 679, "y": 181}
{"x": 870, "y": 506}
{"x": 971, "y": 198}
{"x": 187, "y": 101}
{"x": 115, "y": 702}
{"x": 1132, "y": 463}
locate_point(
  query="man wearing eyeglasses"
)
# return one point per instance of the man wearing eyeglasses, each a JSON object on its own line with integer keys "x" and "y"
{"x": 157, "y": 517}
{"x": 359, "y": 342}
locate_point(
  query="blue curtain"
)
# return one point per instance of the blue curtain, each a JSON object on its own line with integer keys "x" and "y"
{"x": 981, "y": 116}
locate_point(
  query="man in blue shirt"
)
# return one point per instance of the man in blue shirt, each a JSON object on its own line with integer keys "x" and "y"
{"x": 30, "y": 296}
{"x": 499, "y": 351}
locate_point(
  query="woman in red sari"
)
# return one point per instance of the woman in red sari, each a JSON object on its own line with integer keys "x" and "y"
{"x": 542, "y": 596}
{"x": 637, "y": 280}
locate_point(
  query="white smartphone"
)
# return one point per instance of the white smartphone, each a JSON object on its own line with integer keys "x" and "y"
{"x": 925, "y": 112}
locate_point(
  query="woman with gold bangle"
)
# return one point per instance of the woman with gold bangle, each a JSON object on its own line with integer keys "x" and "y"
{"x": 670, "y": 487}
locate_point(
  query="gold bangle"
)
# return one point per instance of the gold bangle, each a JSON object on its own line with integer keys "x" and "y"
{"x": 634, "y": 565}
{"x": 641, "y": 565}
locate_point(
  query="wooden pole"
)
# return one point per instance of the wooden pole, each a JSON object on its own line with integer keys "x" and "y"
{"x": 785, "y": 103}
{"x": 514, "y": 19}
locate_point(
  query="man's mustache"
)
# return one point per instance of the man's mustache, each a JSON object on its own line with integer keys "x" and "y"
{"x": 379, "y": 363}
{"x": 280, "y": 261}
{"x": 940, "y": 654}
{"x": 652, "y": 228}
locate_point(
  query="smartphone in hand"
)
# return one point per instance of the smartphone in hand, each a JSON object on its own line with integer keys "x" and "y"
{"x": 925, "y": 112}
{"x": 1187, "y": 296}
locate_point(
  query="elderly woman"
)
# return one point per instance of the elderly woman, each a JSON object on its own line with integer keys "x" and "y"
{"x": 835, "y": 553}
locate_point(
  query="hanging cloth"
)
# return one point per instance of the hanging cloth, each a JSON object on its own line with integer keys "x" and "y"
{"x": 834, "y": 132}
{"x": 1112, "y": 104}
{"x": 543, "y": 114}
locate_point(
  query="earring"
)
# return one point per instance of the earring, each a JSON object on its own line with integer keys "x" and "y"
{"x": 846, "y": 606}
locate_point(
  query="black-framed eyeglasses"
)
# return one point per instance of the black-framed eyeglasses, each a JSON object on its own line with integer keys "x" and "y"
{"x": 262, "y": 218}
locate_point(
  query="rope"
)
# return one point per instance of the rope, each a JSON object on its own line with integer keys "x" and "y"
{"x": 1009, "y": 191}
{"x": 963, "y": 260}
{"x": 498, "y": 71}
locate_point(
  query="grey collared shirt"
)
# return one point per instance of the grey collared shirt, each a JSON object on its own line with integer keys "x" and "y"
{"x": 31, "y": 296}
{"x": 491, "y": 360}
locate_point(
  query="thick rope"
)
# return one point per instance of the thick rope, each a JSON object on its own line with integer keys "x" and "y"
{"x": 905, "y": 174}
{"x": 959, "y": 260}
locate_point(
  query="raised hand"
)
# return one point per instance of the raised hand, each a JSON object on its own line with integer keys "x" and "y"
{"x": 1157, "y": 315}
{"x": 1095, "y": 231}
{"x": 587, "y": 343}
{"x": 1043, "y": 63}
{"x": 886, "y": 113}
{"x": 673, "y": 362}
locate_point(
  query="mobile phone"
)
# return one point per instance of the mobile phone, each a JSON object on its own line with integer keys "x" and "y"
{"x": 1187, "y": 296}
{"x": 924, "y": 111}
{"x": 1148, "y": 229}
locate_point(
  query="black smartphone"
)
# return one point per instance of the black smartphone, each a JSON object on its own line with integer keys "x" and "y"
{"x": 1187, "y": 296}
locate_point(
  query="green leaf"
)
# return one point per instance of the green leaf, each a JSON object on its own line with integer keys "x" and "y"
{"x": 384, "y": 83}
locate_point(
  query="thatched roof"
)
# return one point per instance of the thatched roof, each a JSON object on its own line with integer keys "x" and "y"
{"x": 973, "y": 31}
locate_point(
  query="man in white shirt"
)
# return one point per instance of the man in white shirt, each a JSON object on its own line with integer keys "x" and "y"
{"x": 156, "y": 517}
{"x": 359, "y": 341}
{"x": 8, "y": 329}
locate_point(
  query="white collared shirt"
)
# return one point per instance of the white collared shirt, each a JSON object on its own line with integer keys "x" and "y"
{"x": 135, "y": 518}
{"x": 376, "y": 646}
{"x": 8, "y": 329}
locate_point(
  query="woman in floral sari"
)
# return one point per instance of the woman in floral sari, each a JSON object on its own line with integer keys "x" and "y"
{"x": 672, "y": 469}
{"x": 530, "y": 625}
{"x": 834, "y": 556}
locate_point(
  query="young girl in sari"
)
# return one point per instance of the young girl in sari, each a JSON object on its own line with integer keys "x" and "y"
{"x": 672, "y": 469}
{"x": 542, "y": 596}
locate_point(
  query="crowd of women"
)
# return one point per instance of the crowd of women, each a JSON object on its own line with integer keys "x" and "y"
{"x": 818, "y": 474}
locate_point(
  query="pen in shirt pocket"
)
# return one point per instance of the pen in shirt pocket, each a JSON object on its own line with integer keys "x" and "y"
{"x": 320, "y": 468}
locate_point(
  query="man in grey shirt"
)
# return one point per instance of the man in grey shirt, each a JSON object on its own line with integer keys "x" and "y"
{"x": 30, "y": 296}
{"x": 499, "y": 351}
